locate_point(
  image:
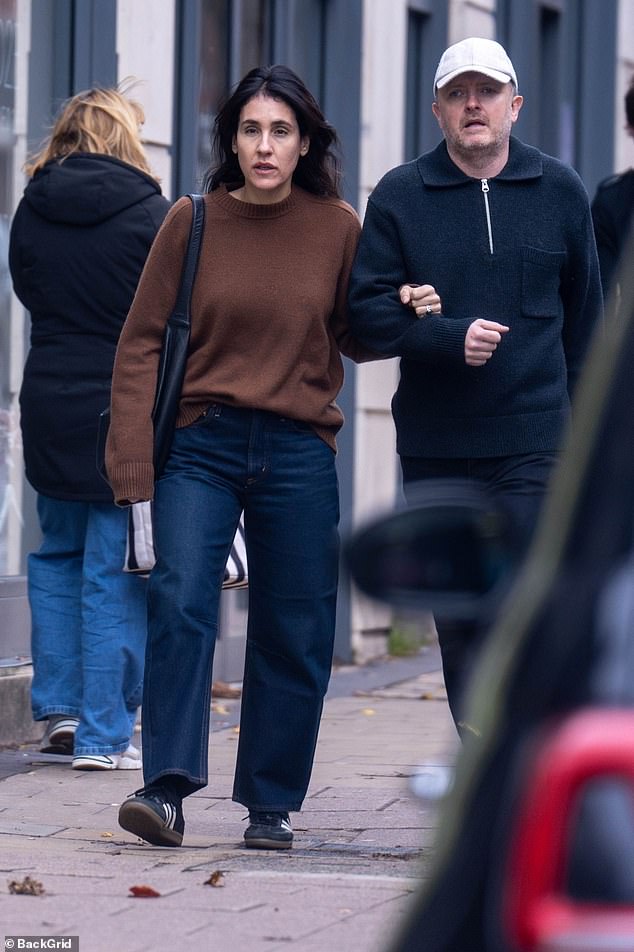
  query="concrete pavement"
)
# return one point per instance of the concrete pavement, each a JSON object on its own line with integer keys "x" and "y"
{"x": 362, "y": 844}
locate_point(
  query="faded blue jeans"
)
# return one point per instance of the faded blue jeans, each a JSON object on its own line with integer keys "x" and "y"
{"x": 283, "y": 476}
{"x": 88, "y": 623}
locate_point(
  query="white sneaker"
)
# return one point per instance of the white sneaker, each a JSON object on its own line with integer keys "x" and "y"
{"x": 129, "y": 759}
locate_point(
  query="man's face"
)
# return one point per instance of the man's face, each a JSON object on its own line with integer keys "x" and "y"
{"x": 476, "y": 115}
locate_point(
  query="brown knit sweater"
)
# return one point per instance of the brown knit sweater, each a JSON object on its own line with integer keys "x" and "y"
{"x": 269, "y": 320}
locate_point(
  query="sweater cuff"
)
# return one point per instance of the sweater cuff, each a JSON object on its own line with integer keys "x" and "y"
{"x": 448, "y": 336}
{"x": 134, "y": 480}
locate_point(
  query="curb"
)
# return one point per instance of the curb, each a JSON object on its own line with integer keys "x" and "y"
{"x": 16, "y": 723}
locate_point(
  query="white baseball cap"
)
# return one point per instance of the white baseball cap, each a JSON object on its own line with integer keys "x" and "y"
{"x": 475, "y": 55}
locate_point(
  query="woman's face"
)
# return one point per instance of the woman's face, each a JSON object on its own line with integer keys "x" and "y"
{"x": 268, "y": 145}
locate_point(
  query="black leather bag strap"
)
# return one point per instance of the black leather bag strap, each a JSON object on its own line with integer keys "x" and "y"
{"x": 175, "y": 349}
{"x": 181, "y": 312}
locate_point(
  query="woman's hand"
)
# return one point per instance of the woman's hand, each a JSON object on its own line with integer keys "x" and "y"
{"x": 422, "y": 298}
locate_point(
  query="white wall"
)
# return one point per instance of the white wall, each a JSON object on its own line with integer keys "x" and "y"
{"x": 11, "y": 495}
{"x": 381, "y": 148}
{"x": 471, "y": 18}
{"x": 145, "y": 51}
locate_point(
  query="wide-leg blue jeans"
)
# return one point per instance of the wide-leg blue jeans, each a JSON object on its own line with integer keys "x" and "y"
{"x": 283, "y": 476}
{"x": 88, "y": 623}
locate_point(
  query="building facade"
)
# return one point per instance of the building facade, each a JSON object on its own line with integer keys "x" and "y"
{"x": 371, "y": 65}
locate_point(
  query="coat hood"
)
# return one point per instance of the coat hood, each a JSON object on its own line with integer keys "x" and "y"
{"x": 86, "y": 188}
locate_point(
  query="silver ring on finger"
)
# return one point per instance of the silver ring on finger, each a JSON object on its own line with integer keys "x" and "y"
{"x": 429, "y": 308}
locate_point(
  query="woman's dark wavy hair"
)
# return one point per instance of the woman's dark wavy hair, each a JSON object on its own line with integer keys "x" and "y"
{"x": 318, "y": 171}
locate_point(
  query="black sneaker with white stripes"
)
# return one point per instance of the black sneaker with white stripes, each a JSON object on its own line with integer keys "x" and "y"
{"x": 268, "y": 831}
{"x": 154, "y": 815}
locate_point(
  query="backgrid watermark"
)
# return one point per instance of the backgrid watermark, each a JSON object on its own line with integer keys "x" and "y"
{"x": 69, "y": 943}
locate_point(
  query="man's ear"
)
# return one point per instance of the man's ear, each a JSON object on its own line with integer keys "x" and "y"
{"x": 516, "y": 104}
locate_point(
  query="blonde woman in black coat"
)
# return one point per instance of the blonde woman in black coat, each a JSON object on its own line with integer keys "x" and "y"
{"x": 79, "y": 240}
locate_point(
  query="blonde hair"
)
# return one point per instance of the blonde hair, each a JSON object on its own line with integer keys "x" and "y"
{"x": 102, "y": 121}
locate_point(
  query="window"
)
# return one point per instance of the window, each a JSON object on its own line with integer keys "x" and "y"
{"x": 549, "y": 85}
{"x": 235, "y": 36}
{"x": 415, "y": 98}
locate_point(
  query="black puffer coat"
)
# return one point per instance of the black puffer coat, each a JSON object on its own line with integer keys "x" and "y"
{"x": 79, "y": 240}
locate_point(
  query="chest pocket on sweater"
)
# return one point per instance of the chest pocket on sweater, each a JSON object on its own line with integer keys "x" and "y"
{"x": 541, "y": 277}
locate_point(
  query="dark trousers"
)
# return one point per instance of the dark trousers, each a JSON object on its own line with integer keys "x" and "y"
{"x": 518, "y": 483}
{"x": 283, "y": 476}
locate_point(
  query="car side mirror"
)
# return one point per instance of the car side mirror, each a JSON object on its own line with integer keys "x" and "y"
{"x": 446, "y": 552}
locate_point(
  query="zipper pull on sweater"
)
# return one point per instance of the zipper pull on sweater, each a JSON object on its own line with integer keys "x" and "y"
{"x": 485, "y": 191}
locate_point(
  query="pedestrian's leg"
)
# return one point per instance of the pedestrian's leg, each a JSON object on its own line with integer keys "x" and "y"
{"x": 457, "y": 640}
{"x": 196, "y": 512}
{"x": 291, "y": 520}
{"x": 459, "y": 643}
{"x": 113, "y": 637}
{"x": 195, "y": 517}
{"x": 520, "y": 483}
{"x": 54, "y": 588}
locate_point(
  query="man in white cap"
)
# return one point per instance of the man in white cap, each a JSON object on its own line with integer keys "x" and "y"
{"x": 477, "y": 266}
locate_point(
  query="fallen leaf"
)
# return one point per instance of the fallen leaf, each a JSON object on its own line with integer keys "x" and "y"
{"x": 26, "y": 887}
{"x": 216, "y": 879}
{"x": 236, "y": 730}
{"x": 219, "y": 709}
{"x": 368, "y": 711}
{"x": 106, "y": 834}
{"x": 144, "y": 892}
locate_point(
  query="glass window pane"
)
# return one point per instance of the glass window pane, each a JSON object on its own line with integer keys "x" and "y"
{"x": 214, "y": 70}
{"x": 235, "y": 37}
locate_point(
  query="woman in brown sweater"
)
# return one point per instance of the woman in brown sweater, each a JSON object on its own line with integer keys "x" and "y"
{"x": 255, "y": 433}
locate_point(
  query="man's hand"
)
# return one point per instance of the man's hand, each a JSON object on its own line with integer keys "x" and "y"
{"x": 481, "y": 341}
{"x": 422, "y": 298}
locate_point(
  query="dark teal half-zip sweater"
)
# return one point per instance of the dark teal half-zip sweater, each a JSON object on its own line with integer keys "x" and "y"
{"x": 518, "y": 249}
